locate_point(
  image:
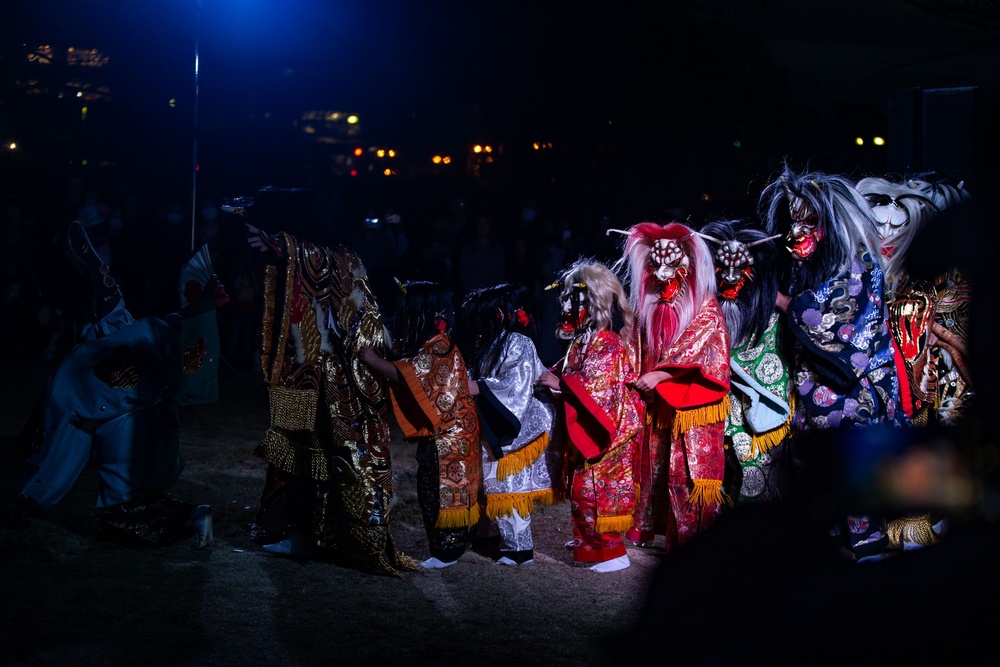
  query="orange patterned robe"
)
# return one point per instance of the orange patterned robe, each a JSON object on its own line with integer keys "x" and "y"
{"x": 433, "y": 402}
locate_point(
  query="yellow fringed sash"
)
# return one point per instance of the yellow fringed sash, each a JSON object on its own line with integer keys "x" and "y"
{"x": 613, "y": 524}
{"x": 762, "y": 442}
{"x": 515, "y": 462}
{"x": 916, "y": 529}
{"x": 706, "y": 492}
{"x": 706, "y": 414}
{"x": 502, "y": 504}
{"x": 458, "y": 518}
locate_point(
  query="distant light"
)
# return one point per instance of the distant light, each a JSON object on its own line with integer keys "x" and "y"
{"x": 706, "y": 197}
{"x": 477, "y": 149}
{"x": 535, "y": 145}
{"x": 446, "y": 159}
{"x": 358, "y": 151}
{"x": 392, "y": 153}
{"x": 354, "y": 172}
{"x": 878, "y": 141}
{"x": 737, "y": 143}
{"x": 83, "y": 113}
{"x": 387, "y": 172}
{"x": 79, "y": 93}
{"x": 352, "y": 119}
{"x": 380, "y": 152}
{"x": 859, "y": 141}
{"x": 488, "y": 149}
{"x": 12, "y": 146}
{"x": 84, "y": 162}
{"x": 172, "y": 102}
{"x": 436, "y": 159}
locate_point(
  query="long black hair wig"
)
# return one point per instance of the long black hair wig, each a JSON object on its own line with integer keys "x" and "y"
{"x": 423, "y": 310}
{"x": 489, "y": 316}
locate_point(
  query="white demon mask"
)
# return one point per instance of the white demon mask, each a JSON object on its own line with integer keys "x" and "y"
{"x": 670, "y": 266}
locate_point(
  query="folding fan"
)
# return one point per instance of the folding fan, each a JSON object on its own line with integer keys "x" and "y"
{"x": 196, "y": 275}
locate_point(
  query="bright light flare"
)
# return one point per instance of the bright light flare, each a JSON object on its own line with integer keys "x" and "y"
{"x": 878, "y": 141}
{"x": 352, "y": 119}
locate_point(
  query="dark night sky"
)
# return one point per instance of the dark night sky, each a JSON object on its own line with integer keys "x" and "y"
{"x": 664, "y": 87}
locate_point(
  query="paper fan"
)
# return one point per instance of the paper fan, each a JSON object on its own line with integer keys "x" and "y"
{"x": 196, "y": 275}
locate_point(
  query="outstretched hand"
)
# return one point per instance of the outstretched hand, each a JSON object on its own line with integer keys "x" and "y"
{"x": 259, "y": 239}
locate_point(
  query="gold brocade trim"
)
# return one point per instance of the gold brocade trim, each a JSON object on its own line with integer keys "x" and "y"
{"x": 503, "y": 504}
{"x": 304, "y": 460}
{"x": 916, "y": 529}
{"x": 312, "y": 340}
{"x": 458, "y": 518}
{"x": 707, "y": 414}
{"x": 514, "y": 462}
{"x": 273, "y": 374}
{"x": 708, "y": 492}
{"x": 293, "y": 409}
{"x": 267, "y": 320}
{"x": 613, "y": 524}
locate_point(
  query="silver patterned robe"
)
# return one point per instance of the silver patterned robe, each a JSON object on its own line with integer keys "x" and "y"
{"x": 519, "y": 461}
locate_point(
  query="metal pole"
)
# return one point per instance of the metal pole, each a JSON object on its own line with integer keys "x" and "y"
{"x": 194, "y": 164}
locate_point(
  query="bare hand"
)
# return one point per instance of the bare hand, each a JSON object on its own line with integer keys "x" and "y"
{"x": 648, "y": 381}
{"x": 369, "y": 356}
{"x": 258, "y": 239}
{"x": 549, "y": 380}
{"x": 782, "y": 301}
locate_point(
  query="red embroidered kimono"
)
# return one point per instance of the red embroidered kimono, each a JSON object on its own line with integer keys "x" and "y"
{"x": 433, "y": 402}
{"x": 680, "y": 462}
{"x": 603, "y": 419}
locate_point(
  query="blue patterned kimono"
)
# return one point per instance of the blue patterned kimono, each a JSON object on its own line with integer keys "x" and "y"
{"x": 844, "y": 370}
{"x": 845, "y": 377}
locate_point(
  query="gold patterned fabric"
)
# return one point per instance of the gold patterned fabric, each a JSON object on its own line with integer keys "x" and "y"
{"x": 433, "y": 401}
{"x": 929, "y": 321}
{"x": 324, "y": 403}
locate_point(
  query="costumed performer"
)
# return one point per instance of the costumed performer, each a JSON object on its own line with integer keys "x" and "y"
{"x": 683, "y": 346}
{"x": 929, "y": 322}
{"x": 521, "y": 466}
{"x": 429, "y": 386}
{"x": 760, "y": 395}
{"x": 114, "y": 400}
{"x": 601, "y": 411}
{"x": 329, "y": 482}
{"x": 844, "y": 371}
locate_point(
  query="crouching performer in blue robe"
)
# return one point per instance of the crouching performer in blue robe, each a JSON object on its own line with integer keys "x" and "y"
{"x": 114, "y": 399}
